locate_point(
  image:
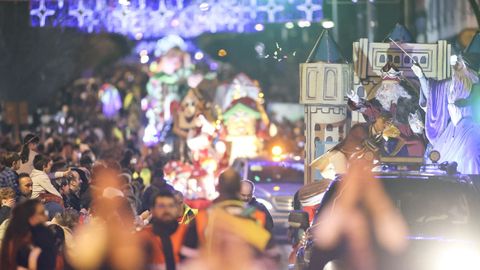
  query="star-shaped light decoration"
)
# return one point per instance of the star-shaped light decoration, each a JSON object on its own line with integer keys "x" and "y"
{"x": 240, "y": 11}
{"x": 155, "y": 18}
{"x": 309, "y": 8}
{"x": 42, "y": 12}
{"x": 92, "y": 24}
{"x": 180, "y": 4}
{"x": 142, "y": 4}
{"x": 162, "y": 16}
{"x": 81, "y": 13}
{"x": 253, "y": 9}
{"x": 271, "y": 8}
{"x": 120, "y": 20}
{"x": 232, "y": 13}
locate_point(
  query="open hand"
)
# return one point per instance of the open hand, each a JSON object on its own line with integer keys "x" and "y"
{"x": 353, "y": 96}
{"x": 453, "y": 60}
{"x": 342, "y": 218}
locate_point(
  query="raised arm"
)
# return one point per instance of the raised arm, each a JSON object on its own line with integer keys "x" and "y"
{"x": 369, "y": 110}
{"x": 417, "y": 70}
{"x": 46, "y": 184}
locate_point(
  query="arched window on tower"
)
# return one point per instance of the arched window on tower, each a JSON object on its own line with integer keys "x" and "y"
{"x": 317, "y": 127}
{"x": 382, "y": 58}
{"x": 329, "y": 127}
{"x": 361, "y": 91}
{"x": 329, "y": 139}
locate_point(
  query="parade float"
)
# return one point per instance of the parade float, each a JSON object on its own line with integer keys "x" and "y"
{"x": 344, "y": 102}
{"x": 165, "y": 89}
{"x": 210, "y": 130}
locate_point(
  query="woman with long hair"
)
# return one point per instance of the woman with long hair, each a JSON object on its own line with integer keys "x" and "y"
{"x": 28, "y": 153}
{"x": 18, "y": 244}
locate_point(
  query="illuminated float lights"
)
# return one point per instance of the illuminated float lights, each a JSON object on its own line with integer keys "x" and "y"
{"x": 144, "y": 19}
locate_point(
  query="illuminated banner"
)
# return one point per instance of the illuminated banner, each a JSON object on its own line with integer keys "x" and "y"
{"x": 141, "y": 19}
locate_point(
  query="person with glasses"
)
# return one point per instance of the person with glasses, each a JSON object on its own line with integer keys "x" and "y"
{"x": 164, "y": 237}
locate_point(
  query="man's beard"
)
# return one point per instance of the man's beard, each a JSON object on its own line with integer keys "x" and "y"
{"x": 389, "y": 93}
{"x": 465, "y": 77}
{"x": 167, "y": 227}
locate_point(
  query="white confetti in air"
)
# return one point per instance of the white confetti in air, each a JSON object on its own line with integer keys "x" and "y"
{"x": 279, "y": 55}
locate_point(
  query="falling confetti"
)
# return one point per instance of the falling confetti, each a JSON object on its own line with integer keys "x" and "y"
{"x": 279, "y": 53}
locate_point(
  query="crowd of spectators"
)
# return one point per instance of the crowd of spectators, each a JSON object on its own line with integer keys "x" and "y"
{"x": 79, "y": 190}
{"x": 64, "y": 208}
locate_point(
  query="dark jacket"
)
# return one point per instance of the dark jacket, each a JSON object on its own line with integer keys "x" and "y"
{"x": 73, "y": 201}
{"x": 5, "y": 212}
{"x": 261, "y": 207}
{"x": 44, "y": 239}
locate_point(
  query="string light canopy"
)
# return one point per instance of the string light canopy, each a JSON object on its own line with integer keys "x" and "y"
{"x": 144, "y": 19}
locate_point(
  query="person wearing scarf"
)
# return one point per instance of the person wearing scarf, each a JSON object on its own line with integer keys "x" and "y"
{"x": 163, "y": 239}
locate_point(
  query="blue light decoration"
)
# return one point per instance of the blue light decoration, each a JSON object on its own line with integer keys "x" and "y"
{"x": 150, "y": 19}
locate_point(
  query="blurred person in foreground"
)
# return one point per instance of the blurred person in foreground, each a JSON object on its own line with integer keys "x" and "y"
{"x": 247, "y": 188}
{"x": 185, "y": 213}
{"x": 164, "y": 237}
{"x": 227, "y": 209}
{"x": 361, "y": 208}
{"x": 107, "y": 240}
{"x": 25, "y": 187}
{"x": 8, "y": 176}
{"x": 27, "y": 243}
{"x": 229, "y": 234}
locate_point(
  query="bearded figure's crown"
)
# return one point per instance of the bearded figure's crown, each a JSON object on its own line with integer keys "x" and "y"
{"x": 390, "y": 72}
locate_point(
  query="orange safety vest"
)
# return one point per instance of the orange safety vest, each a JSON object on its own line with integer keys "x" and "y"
{"x": 201, "y": 219}
{"x": 177, "y": 238}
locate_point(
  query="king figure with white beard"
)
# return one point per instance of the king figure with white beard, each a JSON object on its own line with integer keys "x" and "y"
{"x": 392, "y": 97}
{"x": 450, "y": 127}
